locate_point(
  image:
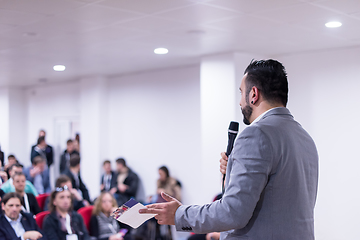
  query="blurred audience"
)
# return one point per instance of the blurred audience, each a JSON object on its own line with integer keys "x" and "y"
{"x": 9, "y": 186}
{"x": 16, "y": 225}
{"x": 42, "y": 149}
{"x": 102, "y": 225}
{"x": 77, "y": 200}
{"x": 65, "y": 157}
{"x": 11, "y": 161}
{"x": 63, "y": 223}
{"x": 38, "y": 175}
{"x": 28, "y": 200}
{"x": 127, "y": 182}
{"x": 3, "y": 175}
{"x": 74, "y": 174}
{"x": 108, "y": 179}
{"x": 168, "y": 184}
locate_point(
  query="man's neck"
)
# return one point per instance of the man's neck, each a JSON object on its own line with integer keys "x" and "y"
{"x": 261, "y": 108}
{"x": 21, "y": 193}
{"x": 74, "y": 170}
{"x": 61, "y": 213}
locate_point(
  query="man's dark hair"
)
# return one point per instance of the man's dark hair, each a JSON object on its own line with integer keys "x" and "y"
{"x": 19, "y": 174}
{"x": 269, "y": 76}
{"x": 69, "y": 142}
{"x": 11, "y": 156}
{"x": 121, "y": 161}
{"x": 74, "y": 160}
{"x": 166, "y": 171}
{"x": 8, "y": 196}
{"x": 15, "y": 165}
{"x": 38, "y": 159}
{"x": 40, "y": 140}
{"x": 62, "y": 179}
{"x": 106, "y": 162}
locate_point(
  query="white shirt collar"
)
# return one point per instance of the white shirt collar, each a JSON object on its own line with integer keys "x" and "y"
{"x": 14, "y": 221}
{"x": 259, "y": 117}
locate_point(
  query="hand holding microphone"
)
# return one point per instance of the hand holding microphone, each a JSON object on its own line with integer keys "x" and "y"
{"x": 232, "y": 133}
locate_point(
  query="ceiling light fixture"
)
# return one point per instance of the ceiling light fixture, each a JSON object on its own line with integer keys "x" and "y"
{"x": 333, "y": 24}
{"x": 59, "y": 68}
{"x": 161, "y": 51}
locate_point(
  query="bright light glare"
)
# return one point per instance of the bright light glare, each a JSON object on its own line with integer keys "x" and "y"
{"x": 333, "y": 24}
{"x": 161, "y": 51}
{"x": 59, "y": 68}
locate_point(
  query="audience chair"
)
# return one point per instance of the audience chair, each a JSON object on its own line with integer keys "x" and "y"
{"x": 86, "y": 213}
{"x": 41, "y": 198}
{"x": 39, "y": 218}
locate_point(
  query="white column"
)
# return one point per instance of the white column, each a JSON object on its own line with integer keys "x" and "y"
{"x": 220, "y": 80}
{"x": 4, "y": 120}
{"x": 93, "y": 135}
{"x": 13, "y": 123}
{"x": 218, "y": 104}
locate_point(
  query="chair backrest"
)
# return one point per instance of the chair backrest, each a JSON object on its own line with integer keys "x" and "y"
{"x": 39, "y": 218}
{"x": 41, "y": 200}
{"x": 86, "y": 213}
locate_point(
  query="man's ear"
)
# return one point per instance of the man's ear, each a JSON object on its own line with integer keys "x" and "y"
{"x": 254, "y": 95}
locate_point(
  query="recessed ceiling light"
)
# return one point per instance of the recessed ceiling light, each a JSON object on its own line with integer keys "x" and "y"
{"x": 161, "y": 51}
{"x": 333, "y": 24}
{"x": 59, "y": 68}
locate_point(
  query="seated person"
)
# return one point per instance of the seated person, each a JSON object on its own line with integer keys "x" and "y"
{"x": 74, "y": 174}
{"x": 9, "y": 187}
{"x": 65, "y": 157}
{"x": 62, "y": 223}
{"x": 11, "y": 161}
{"x": 28, "y": 200}
{"x": 168, "y": 184}
{"x": 127, "y": 182}
{"x": 3, "y": 175}
{"x": 77, "y": 200}
{"x": 16, "y": 225}
{"x": 108, "y": 179}
{"x": 102, "y": 225}
{"x": 38, "y": 175}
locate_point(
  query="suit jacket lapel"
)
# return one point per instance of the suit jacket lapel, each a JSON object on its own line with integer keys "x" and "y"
{"x": 25, "y": 222}
{"x": 8, "y": 227}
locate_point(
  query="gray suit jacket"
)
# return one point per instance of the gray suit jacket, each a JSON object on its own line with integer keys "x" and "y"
{"x": 271, "y": 185}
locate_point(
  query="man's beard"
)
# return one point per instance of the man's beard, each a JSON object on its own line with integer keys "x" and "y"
{"x": 247, "y": 111}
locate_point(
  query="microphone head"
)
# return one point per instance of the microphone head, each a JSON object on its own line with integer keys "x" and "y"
{"x": 233, "y": 127}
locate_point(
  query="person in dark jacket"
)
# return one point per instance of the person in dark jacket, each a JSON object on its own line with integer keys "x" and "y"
{"x": 15, "y": 224}
{"x": 74, "y": 174}
{"x": 28, "y": 200}
{"x": 108, "y": 179}
{"x": 65, "y": 157}
{"x": 127, "y": 182}
{"x": 42, "y": 149}
{"x": 102, "y": 225}
{"x": 62, "y": 222}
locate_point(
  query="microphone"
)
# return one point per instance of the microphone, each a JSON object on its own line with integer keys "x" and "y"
{"x": 232, "y": 133}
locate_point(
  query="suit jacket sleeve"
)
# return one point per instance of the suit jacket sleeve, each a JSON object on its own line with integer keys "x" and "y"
{"x": 247, "y": 174}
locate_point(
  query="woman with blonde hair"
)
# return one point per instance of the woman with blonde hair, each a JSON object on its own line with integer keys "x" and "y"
{"x": 102, "y": 225}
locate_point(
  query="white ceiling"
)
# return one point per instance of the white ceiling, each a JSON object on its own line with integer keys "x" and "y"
{"x": 110, "y": 37}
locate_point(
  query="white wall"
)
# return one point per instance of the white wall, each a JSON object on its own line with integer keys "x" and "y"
{"x": 324, "y": 99}
{"x": 154, "y": 120}
{"x": 4, "y": 120}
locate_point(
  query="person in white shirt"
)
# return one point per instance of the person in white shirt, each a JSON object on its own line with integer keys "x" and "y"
{"x": 15, "y": 224}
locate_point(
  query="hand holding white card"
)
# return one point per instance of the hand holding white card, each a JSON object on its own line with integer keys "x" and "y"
{"x": 129, "y": 214}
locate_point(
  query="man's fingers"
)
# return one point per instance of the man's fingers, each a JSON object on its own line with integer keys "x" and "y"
{"x": 223, "y": 156}
{"x": 167, "y": 197}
